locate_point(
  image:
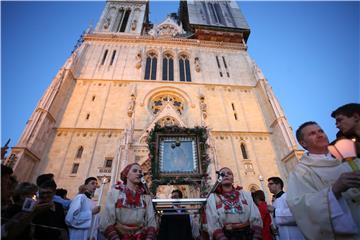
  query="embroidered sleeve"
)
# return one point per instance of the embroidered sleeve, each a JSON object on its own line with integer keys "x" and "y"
{"x": 108, "y": 217}
{"x": 255, "y": 217}
{"x": 111, "y": 233}
{"x": 213, "y": 217}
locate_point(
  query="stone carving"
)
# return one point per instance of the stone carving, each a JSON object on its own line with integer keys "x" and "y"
{"x": 133, "y": 25}
{"x": 131, "y": 106}
{"x": 167, "y": 29}
{"x": 107, "y": 23}
{"x": 138, "y": 59}
{"x": 197, "y": 64}
{"x": 203, "y": 107}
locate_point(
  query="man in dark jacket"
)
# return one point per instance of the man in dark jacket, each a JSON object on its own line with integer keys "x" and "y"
{"x": 49, "y": 224}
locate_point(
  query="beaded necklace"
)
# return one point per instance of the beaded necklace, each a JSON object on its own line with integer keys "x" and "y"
{"x": 129, "y": 198}
{"x": 232, "y": 202}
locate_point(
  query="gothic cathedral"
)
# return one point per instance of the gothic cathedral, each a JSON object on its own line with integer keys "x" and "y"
{"x": 128, "y": 76}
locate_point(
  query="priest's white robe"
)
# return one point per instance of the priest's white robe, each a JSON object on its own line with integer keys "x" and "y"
{"x": 80, "y": 219}
{"x": 318, "y": 214}
{"x": 285, "y": 221}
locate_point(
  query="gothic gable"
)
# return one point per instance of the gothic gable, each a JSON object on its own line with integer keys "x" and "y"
{"x": 168, "y": 28}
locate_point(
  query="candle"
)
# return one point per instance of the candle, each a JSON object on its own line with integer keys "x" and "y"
{"x": 103, "y": 182}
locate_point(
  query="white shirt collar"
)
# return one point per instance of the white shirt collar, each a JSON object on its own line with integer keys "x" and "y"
{"x": 320, "y": 156}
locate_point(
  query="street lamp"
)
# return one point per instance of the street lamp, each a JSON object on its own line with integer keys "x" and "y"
{"x": 261, "y": 179}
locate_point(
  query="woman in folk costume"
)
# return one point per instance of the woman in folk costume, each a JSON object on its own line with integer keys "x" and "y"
{"x": 231, "y": 213}
{"x": 129, "y": 212}
{"x": 259, "y": 200}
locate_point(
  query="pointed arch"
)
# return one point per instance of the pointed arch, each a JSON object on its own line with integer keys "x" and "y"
{"x": 150, "y": 66}
{"x": 177, "y": 91}
{"x": 168, "y": 67}
{"x": 184, "y": 68}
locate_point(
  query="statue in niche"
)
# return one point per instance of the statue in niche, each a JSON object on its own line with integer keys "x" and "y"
{"x": 138, "y": 60}
{"x": 133, "y": 25}
{"x": 131, "y": 106}
{"x": 203, "y": 107}
{"x": 197, "y": 64}
{"x": 107, "y": 22}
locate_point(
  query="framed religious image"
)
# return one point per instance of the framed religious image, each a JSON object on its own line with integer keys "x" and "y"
{"x": 178, "y": 155}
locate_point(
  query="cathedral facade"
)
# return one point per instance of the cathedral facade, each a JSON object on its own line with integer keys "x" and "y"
{"x": 127, "y": 75}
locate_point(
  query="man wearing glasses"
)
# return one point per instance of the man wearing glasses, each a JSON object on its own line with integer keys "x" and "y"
{"x": 283, "y": 219}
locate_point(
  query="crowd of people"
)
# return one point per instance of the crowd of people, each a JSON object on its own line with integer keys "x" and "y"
{"x": 322, "y": 201}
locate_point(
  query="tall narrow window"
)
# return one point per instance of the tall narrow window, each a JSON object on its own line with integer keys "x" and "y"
{"x": 150, "y": 67}
{"x": 79, "y": 152}
{"x": 118, "y": 21}
{"x": 235, "y": 116}
{"x": 233, "y": 106}
{"x": 75, "y": 168}
{"x": 205, "y": 12}
{"x": 219, "y": 14}
{"x": 184, "y": 67}
{"x": 104, "y": 57}
{"x": 87, "y": 116}
{"x": 229, "y": 14}
{"x": 93, "y": 98}
{"x": 122, "y": 20}
{"x": 187, "y": 69}
{"x": 112, "y": 57}
{"x": 243, "y": 151}
{"x": 125, "y": 20}
{"x": 168, "y": 67}
{"x": 219, "y": 67}
{"x": 213, "y": 13}
{"x": 224, "y": 61}
{"x": 227, "y": 70}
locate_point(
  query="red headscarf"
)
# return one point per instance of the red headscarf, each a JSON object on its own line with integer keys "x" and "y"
{"x": 219, "y": 189}
{"x": 125, "y": 171}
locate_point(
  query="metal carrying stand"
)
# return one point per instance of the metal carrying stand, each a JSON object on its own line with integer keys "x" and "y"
{"x": 183, "y": 206}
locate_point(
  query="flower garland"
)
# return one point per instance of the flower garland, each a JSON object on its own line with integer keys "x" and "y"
{"x": 204, "y": 160}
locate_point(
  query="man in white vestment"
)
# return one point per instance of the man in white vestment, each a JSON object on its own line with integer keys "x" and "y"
{"x": 81, "y": 215}
{"x": 284, "y": 220}
{"x": 323, "y": 192}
